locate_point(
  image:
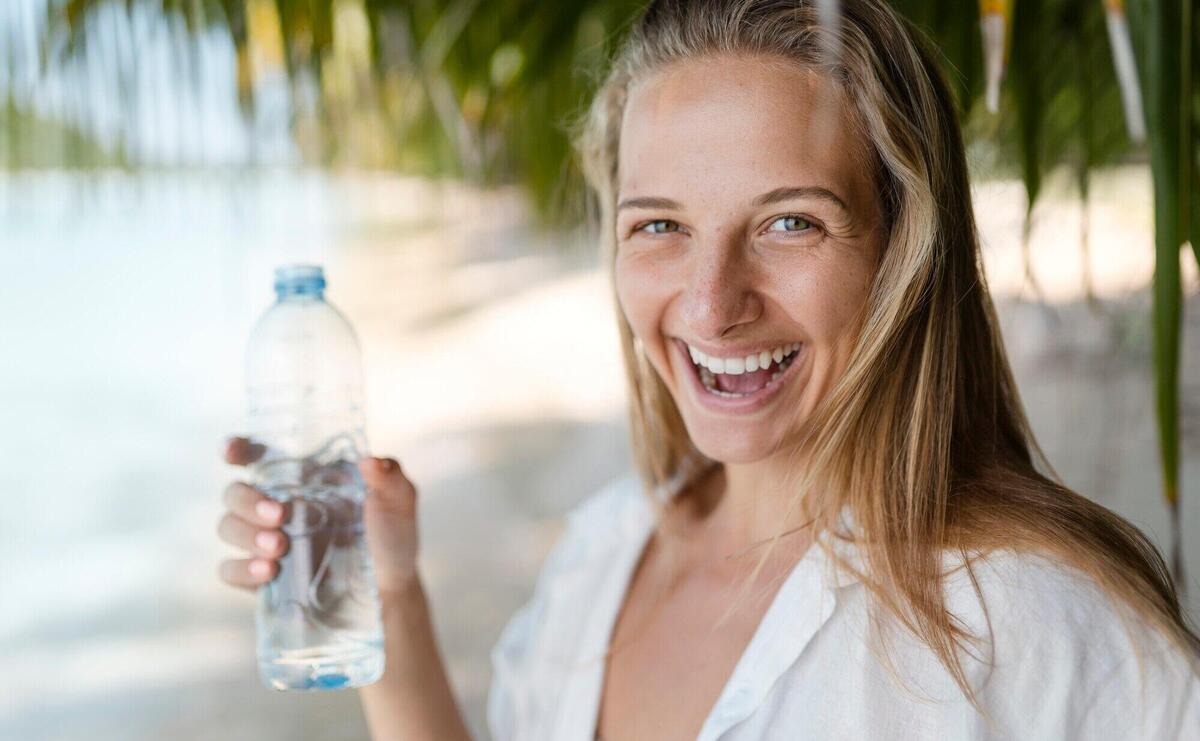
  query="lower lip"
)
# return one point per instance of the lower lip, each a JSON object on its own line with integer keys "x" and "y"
{"x": 742, "y": 404}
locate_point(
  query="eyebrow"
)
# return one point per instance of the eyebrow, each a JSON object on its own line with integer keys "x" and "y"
{"x": 778, "y": 195}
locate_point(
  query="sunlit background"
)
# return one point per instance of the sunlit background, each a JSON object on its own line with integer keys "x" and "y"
{"x": 141, "y": 215}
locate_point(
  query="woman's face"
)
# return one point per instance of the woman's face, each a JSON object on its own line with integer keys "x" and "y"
{"x": 748, "y": 234}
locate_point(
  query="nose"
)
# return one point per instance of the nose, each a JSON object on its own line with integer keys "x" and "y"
{"x": 720, "y": 292}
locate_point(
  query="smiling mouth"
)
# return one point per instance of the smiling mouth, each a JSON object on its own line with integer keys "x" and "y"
{"x": 733, "y": 379}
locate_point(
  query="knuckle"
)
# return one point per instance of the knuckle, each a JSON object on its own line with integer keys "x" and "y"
{"x": 233, "y": 493}
{"x": 226, "y": 571}
{"x": 232, "y": 529}
{"x": 403, "y": 486}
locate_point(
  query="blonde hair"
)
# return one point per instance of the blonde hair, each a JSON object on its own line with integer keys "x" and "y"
{"x": 928, "y": 391}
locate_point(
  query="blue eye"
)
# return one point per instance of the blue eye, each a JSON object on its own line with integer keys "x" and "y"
{"x": 794, "y": 220}
{"x": 674, "y": 226}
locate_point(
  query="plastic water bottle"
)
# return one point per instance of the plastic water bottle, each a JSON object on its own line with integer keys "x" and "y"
{"x": 318, "y": 621}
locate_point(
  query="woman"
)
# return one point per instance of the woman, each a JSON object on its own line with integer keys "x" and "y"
{"x": 837, "y": 529}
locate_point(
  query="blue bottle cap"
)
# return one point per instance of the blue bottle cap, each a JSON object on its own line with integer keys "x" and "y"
{"x": 307, "y": 280}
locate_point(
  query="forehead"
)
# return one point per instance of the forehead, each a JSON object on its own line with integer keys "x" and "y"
{"x": 717, "y": 126}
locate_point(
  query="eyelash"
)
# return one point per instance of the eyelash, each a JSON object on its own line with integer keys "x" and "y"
{"x": 811, "y": 224}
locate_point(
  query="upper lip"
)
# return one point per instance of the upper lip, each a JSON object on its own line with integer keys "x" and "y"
{"x": 736, "y": 351}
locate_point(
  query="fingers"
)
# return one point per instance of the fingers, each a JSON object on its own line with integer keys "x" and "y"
{"x": 388, "y": 486}
{"x": 237, "y": 532}
{"x": 247, "y": 573}
{"x": 239, "y": 451}
{"x": 253, "y": 506}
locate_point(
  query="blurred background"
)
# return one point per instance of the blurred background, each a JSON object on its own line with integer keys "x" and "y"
{"x": 159, "y": 157}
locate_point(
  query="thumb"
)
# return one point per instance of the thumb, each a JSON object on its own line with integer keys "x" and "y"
{"x": 387, "y": 486}
{"x": 389, "y": 514}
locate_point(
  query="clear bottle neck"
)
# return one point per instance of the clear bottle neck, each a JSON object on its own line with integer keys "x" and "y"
{"x": 294, "y": 294}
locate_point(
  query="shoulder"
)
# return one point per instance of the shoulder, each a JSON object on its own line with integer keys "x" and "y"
{"x": 597, "y": 523}
{"x": 1058, "y": 650}
{"x": 549, "y": 621}
{"x": 1044, "y": 600}
{"x": 1016, "y": 587}
{"x": 608, "y": 504}
{"x": 1031, "y": 602}
{"x": 594, "y": 525}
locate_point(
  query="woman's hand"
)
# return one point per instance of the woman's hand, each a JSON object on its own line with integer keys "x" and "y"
{"x": 390, "y": 517}
{"x": 253, "y": 523}
{"x": 413, "y": 698}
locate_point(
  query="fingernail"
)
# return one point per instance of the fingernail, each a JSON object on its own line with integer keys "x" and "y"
{"x": 268, "y": 510}
{"x": 265, "y": 541}
{"x": 385, "y": 465}
{"x": 259, "y": 568}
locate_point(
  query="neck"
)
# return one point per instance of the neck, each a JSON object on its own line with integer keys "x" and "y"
{"x": 737, "y": 508}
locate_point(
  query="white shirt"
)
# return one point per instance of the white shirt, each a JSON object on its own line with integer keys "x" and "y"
{"x": 1064, "y": 667}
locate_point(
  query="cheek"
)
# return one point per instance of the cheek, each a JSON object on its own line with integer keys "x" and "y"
{"x": 826, "y": 300}
{"x": 644, "y": 294}
{"x": 639, "y": 294}
{"x": 853, "y": 288}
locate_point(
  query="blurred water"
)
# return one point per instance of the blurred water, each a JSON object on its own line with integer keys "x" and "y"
{"x": 123, "y": 303}
{"x": 126, "y": 305}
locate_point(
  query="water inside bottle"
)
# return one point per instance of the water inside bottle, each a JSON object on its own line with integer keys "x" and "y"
{"x": 318, "y": 619}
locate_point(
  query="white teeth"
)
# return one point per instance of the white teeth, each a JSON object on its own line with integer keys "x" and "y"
{"x": 747, "y": 364}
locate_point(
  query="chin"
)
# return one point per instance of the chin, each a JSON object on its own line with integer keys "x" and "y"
{"x": 729, "y": 445}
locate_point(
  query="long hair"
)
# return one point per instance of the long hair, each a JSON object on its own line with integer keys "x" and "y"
{"x": 923, "y": 439}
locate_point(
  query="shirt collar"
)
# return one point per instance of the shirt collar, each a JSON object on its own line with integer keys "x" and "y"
{"x": 845, "y": 548}
{"x": 800, "y": 608}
